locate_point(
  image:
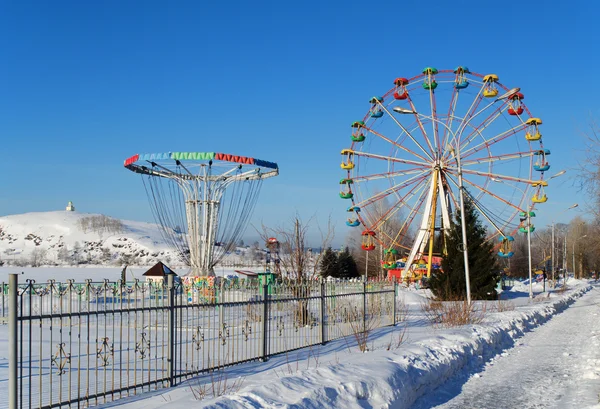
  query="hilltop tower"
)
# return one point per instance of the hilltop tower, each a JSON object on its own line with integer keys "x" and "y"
{"x": 70, "y": 207}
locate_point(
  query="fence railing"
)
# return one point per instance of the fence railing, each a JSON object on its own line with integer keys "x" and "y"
{"x": 3, "y": 300}
{"x": 84, "y": 344}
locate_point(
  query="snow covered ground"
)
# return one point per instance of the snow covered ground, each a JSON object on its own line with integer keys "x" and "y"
{"x": 541, "y": 354}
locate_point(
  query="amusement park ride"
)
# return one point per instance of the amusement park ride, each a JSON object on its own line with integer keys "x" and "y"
{"x": 202, "y": 201}
{"x": 426, "y": 145}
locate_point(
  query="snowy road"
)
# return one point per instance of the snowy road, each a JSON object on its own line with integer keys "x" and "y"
{"x": 555, "y": 366}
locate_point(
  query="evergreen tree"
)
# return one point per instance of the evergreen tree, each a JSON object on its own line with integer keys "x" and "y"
{"x": 347, "y": 265}
{"x": 449, "y": 284}
{"x": 329, "y": 264}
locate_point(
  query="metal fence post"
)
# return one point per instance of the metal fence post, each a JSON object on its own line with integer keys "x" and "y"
{"x": 265, "y": 318}
{"x": 171, "y": 329}
{"x": 323, "y": 334}
{"x": 13, "y": 290}
{"x": 394, "y": 300}
{"x": 364, "y": 306}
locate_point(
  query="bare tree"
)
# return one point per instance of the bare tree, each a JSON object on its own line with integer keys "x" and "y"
{"x": 589, "y": 169}
{"x": 296, "y": 258}
{"x": 297, "y": 261}
{"x": 580, "y": 242}
{"x": 585, "y": 251}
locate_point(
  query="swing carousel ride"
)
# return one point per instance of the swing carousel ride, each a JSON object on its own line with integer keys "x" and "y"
{"x": 419, "y": 143}
{"x": 202, "y": 201}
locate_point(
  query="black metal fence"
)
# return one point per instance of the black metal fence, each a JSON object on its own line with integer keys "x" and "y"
{"x": 83, "y": 344}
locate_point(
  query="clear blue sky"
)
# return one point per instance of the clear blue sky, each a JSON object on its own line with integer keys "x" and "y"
{"x": 84, "y": 85}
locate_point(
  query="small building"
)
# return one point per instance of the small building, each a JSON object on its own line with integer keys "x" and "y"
{"x": 158, "y": 273}
{"x": 70, "y": 207}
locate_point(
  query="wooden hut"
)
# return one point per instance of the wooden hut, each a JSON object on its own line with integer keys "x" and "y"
{"x": 158, "y": 272}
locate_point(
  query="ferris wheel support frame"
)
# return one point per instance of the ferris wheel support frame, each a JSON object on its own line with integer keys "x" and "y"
{"x": 427, "y": 229}
{"x": 423, "y": 234}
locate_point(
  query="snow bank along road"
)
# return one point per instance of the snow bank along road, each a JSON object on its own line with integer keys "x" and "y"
{"x": 427, "y": 370}
{"x": 554, "y": 366}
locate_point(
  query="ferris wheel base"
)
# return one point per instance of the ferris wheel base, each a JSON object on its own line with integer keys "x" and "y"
{"x": 401, "y": 274}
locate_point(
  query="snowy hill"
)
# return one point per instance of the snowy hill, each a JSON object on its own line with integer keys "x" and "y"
{"x": 72, "y": 238}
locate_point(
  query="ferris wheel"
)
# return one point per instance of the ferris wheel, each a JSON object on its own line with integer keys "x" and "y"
{"x": 423, "y": 139}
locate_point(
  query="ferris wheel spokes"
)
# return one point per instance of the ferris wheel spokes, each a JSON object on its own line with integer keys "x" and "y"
{"x": 486, "y": 191}
{"x": 419, "y": 123}
{"x": 436, "y": 138}
{"x": 495, "y": 114}
{"x": 484, "y": 214}
{"x": 403, "y": 230}
{"x": 460, "y": 71}
{"x": 496, "y": 176}
{"x": 507, "y": 105}
{"x": 458, "y": 138}
{"x": 408, "y": 133}
{"x": 404, "y": 148}
{"x": 487, "y": 143}
{"x": 413, "y": 212}
{"x": 450, "y": 117}
{"x": 393, "y": 189}
{"x": 487, "y": 159}
{"x": 386, "y": 175}
{"x": 502, "y": 230}
{"x": 402, "y": 202}
{"x": 391, "y": 159}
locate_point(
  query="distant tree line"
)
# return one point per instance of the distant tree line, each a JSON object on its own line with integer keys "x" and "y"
{"x": 100, "y": 224}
